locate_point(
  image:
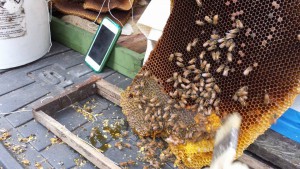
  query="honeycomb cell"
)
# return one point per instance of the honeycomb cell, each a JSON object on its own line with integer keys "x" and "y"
{"x": 185, "y": 115}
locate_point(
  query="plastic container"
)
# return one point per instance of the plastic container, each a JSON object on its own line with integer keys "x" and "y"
{"x": 33, "y": 43}
{"x": 289, "y": 123}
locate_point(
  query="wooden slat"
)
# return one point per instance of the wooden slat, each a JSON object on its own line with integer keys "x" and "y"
{"x": 253, "y": 163}
{"x": 68, "y": 97}
{"x": 75, "y": 142}
{"x": 109, "y": 91}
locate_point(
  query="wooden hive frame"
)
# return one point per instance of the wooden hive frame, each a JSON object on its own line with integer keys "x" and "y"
{"x": 94, "y": 85}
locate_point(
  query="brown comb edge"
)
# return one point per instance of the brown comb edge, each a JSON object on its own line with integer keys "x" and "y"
{"x": 78, "y": 10}
{"x": 96, "y": 6}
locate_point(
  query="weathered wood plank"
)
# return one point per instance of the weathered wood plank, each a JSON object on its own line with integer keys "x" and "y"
{"x": 277, "y": 149}
{"x": 70, "y": 96}
{"x": 75, "y": 142}
{"x": 253, "y": 162}
{"x": 109, "y": 91}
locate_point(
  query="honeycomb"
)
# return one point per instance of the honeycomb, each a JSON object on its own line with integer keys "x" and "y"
{"x": 215, "y": 58}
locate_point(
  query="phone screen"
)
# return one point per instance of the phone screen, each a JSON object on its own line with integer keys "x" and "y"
{"x": 101, "y": 44}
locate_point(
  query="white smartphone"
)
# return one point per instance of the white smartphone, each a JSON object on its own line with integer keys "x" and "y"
{"x": 102, "y": 44}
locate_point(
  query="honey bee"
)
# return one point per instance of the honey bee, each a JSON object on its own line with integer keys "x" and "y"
{"x": 203, "y": 64}
{"x": 216, "y": 102}
{"x": 209, "y": 85}
{"x": 248, "y": 70}
{"x": 202, "y": 82}
{"x": 137, "y": 87}
{"x": 216, "y": 55}
{"x": 179, "y": 78}
{"x": 119, "y": 145}
{"x": 185, "y": 80}
{"x": 186, "y": 73}
{"x": 197, "y": 71}
{"x": 215, "y": 19}
{"x": 171, "y": 57}
{"x": 147, "y": 73}
{"x": 213, "y": 47}
{"x": 197, "y": 77}
{"x": 209, "y": 80}
{"x": 235, "y": 97}
{"x": 179, "y": 64}
{"x": 241, "y": 53}
{"x": 222, "y": 45}
{"x": 180, "y": 59}
{"x": 207, "y": 67}
{"x": 176, "y": 83}
{"x": 165, "y": 116}
{"x": 147, "y": 110}
{"x": 206, "y": 75}
{"x": 200, "y": 23}
{"x": 138, "y": 93}
{"x": 131, "y": 162}
{"x": 230, "y": 36}
{"x": 217, "y": 88}
{"x": 231, "y": 47}
{"x": 255, "y": 64}
{"x": 171, "y": 101}
{"x": 195, "y": 41}
{"x": 139, "y": 144}
{"x": 214, "y": 36}
{"x": 242, "y": 101}
{"x": 154, "y": 99}
{"x": 142, "y": 83}
{"x": 229, "y": 57}
{"x": 226, "y": 70}
{"x": 140, "y": 106}
{"x": 220, "y": 68}
{"x": 298, "y": 37}
{"x": 191, "y": 67}
{"x": 208, "y": 19}
{"x": 234, "y": 31}
{"x": 151, "y": 105}
{"x": 170, "y": 80}
{"x": 123, "y": 164}
{"x": 177, "y": 54}
{"x": 266, "y": 99}
{"x": 158, "y": 104}
{"x": 189, "y": 47}
{"x": 192, "y": 61}
{"x": 127, "y": 145}
{"x": 182, "y": 105}
{"x": 199, "y": 3}
{"x": 177, "y": 106}
{"x": 205, "y": 44}
{"x": 213, "y": 95}
{"x": 239, "y": 24}
{"x": 202, "y": 54}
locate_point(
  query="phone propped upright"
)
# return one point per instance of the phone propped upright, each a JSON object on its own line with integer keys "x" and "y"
{"x": 102, "y": 44}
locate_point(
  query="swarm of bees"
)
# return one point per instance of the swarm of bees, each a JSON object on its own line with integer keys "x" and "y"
{"x": 213, "y": 62}
{"x": 155, "y": 152}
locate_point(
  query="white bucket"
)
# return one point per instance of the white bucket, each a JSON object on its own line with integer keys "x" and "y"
{"x": 29, "y": 36}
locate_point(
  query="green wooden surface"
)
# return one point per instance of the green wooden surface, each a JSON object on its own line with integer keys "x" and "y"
{"x": 123, "y": 60}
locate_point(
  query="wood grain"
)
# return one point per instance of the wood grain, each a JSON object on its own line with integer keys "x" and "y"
{"x": 75, "y": 142}
{"x": 109, "y": 91}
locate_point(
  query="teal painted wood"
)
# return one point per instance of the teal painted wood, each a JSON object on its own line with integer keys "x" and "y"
{"x": 123, "y": 60}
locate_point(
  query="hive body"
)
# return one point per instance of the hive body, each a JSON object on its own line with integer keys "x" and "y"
{"x": 255, "y": 74}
